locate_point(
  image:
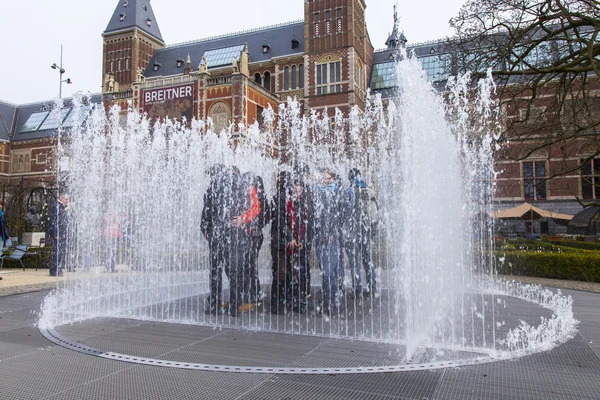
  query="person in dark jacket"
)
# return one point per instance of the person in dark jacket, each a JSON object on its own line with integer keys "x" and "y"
{"x": 4, "y": 234}
{"x": 56, "y": 234}
{"x": 300, "y": 228}
{"x": 279, "y": 240}
{"x": 215, "y": 226}
{"x": 328, "y": 236}
{"x": 257, "y": 238}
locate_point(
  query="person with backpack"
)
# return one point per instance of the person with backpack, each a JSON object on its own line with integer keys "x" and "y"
{"x": 358, "y": 231}
{"x": 328, "y": 236}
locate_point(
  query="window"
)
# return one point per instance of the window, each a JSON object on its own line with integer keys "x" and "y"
{"x": 259, "y": 116}
{"x": 77, "y": 117}
{"x": 327, "y": 22}
{"x": 329, "y": 78}
{"x": 127, "y": 60}
{"x": 122, "y": 17}
{"x": 339, "y": 20}
{"x": 224, "y": 56}
{"x": 148, "y": 21}
{"x": 590, "y": 178}
{"x": 534, "y": 184}
{"x": 316, "y": 23}
{"x": 34, "y": 121}
{"x": 111, "y": 64}
{"x": 295, "y": 44}
{"x": 119, "y": 60}
{"x": 41, "y": 158}
{"x": 436, "y": 66}
{"x": 286, "y": 78}
{"x": 267, "y": 81}
{"x": 257, "y": 78}
{"x": 384, "y": 75}
{"x": 54, "y": 119}
{"x": 294, "y": 77}
{"x": 301, "y": 76}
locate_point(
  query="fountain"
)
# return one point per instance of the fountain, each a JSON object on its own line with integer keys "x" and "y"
{"x": 438, "y": 302}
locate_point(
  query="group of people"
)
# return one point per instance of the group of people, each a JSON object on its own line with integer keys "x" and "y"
{"x": 303, "y": 214}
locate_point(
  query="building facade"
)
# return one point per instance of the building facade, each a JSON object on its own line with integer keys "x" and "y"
{"x": 325, "y": 60}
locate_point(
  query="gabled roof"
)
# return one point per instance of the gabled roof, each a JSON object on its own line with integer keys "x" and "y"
{"x": 278, "y": 38}
{"x": 7, "y": 116}
{"x": 134, "y": 14}
{"x": 25, "y": 111}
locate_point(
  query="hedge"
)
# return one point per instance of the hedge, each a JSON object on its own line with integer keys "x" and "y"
{"x": 577, "y": 266}
{"x": 579, "y": 245}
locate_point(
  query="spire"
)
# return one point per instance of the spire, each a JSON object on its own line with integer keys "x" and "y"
{"x": 396, "y": 38}
{"x": 134, "y": 14}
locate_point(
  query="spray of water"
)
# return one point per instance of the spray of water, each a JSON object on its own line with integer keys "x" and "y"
{"x": 422, "y": 276}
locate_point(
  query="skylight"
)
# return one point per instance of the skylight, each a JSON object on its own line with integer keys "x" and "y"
{"x": 221, "y": 57}
{"x": 34, "y": 121}
{"x": 77, "y": 118}
{"x": 52, "y": 121}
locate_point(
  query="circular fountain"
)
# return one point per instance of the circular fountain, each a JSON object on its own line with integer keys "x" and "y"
{"x": 438, "y": 303}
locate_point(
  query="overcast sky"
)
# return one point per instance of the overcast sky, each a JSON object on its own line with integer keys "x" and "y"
{"x": 32, "y": 32}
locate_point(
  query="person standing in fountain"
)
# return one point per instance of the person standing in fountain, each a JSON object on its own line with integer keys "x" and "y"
{"x": 257, "y": 238}
{"x": 214, "y": 226}
{"x": 245, "y": 209}
{"x": 357, "y": 232}
{"x": 56, "y": 233}
{"x": 279, "y": 240}
{"x": 300, "y": 223}
{"x": 328, "y": 235}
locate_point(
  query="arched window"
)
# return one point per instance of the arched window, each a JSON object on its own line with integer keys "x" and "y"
{"x": 301, "y": 76}
{"x": 257, "y": 78}
{"x": 267, "y": 81}
{"x": 294, "y": 78}
{"x": 286, "y": 78}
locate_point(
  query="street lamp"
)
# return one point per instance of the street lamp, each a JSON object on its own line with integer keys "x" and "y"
{"x": 61, "y": 70}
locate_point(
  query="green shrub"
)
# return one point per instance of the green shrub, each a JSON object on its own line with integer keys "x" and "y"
{"x": 578, "y": 266}
{"x": 579, "y": 245}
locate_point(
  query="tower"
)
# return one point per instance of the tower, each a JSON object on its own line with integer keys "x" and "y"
{"x": 130, "y": 39}
{"x": 396, "y": 38}
{"x": 338, "y": 53}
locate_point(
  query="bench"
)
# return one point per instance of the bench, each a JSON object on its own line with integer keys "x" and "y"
{"x": 14, "y": 254}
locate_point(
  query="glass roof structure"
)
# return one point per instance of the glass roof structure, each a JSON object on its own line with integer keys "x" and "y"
{"x": 34, "y": 121}
{"x": 224, "y": 56}
{"x": 384, "y": 75}
{"x": 52, "y": 121}
{"x": 77, "y": 117}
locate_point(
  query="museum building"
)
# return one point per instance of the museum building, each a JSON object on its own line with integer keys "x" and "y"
{"x": 325, "y": 61}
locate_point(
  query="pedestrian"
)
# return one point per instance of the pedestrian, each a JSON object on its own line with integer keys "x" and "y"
{"x": 279, "y": 241}
{"x": 245, "y": 208}
{"x": 4, "y": 231}
{"x": 300, "y": 224}
{"x": 328, "y": 236}
{"x": 215, "y": 226}
{"x": 256, "y": 236}
{"x": 357, "y": 232}
{"x": 112, "y": 235}
{"x": 56, "y": 233}
{"x": 4, "y": 234}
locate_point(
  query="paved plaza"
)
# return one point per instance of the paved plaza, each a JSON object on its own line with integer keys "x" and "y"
{"x": 32, "y": 367}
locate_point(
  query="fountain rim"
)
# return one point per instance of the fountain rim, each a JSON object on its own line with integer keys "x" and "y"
{"x": 52, "y": 335}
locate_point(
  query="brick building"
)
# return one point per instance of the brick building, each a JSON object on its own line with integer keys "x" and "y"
{"x": 325, "y": 60}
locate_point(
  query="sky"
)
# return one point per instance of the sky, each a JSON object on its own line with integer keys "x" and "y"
{"x": 32, "y": 33}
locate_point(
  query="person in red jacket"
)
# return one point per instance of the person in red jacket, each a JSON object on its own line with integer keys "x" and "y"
{"x": 246, "y": 210}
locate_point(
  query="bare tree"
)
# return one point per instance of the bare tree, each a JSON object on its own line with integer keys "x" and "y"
{"x": 545, "y": 56}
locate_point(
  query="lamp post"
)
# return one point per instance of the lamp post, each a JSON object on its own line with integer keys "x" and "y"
{"x": 61, "y": 70}
{"x": 56, "y": 242}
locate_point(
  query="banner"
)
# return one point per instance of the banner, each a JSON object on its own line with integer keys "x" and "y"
{"x": 173, "y": 102}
